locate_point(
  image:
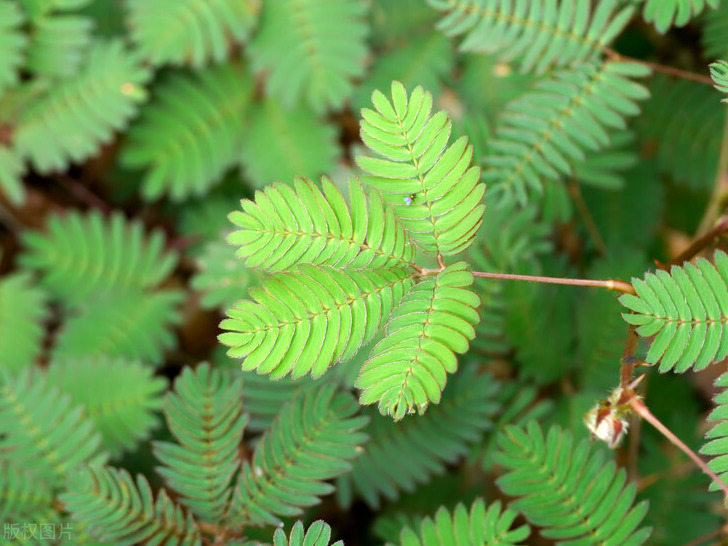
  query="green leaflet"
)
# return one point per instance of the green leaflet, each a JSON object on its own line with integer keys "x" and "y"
{"x": 719, "y": 73}
{"x": 435, "y": 191}
{"x": 481, "y": 526}
{"x": 717, "y": 444}
{"x": 317, "y": 534}
{"x": 571, "y": 493}
{"x": 408, "y": 369}
{"x": 305, "y": 320}
{"x": 665, "y": 14}
{"x": 540, "y": 33}
{"x": 287, "y": 226}
{"x": 686, "y": 311}
{"x": 12, "y": 43}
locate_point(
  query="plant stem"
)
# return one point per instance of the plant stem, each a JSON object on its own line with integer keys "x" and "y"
{"x": 719, "y": 186}
{"x": 618, "y": 286}
{"x": 671, "y": 70}
{"x": 586, "y": 217}
{"x": 628, "y": 358}
{"x": 698, "y": 245}
{"x": 646, "y": 414}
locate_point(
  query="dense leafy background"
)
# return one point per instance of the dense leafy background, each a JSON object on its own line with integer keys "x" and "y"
{"x": 130, "y": 129}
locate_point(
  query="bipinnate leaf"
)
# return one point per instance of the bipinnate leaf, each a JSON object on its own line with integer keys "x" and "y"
{"x": 121, "y": 396}
{"x": 435, "y": 191}
{"x": 570, "y": 492}
{"x": 206, "y": 417}
{"x": 82, "y": 256}
{"x": 686, "y": 312}
{"x": 305, "y": 320}
{"x": 101, "y": 99}
{"x": 44, "y": 429}
{"x": 408, "y": 369}
{"x": 540, "y": 34}
{"x": 116, "y": 510}
{"x": 312, "y": 440}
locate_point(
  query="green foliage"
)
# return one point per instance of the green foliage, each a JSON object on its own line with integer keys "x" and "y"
{"x": 43, "y": 430}
{"x": 667, "y": 13}
{"x": 541, "y": 34}
{"x": 189, "y": 135}
{"x": 193, "y": 32}
{"x": 353, "y": 141}
{"x": 312, "y": 440}
{"x": 12, "y": 42}
{"x": 120, "y": 396}
{"x": 491, "y": 527}
{"x": 58, "y": 44}
{"x": 534, "y": 144}
{"x": 280, "y": 144}
{"x": 576, "y": 498}
{"x": 399, "y": 456}
{"x": 414, "y": 160}
{"x": 685, "y": 309}
{"x": 682, "y": 129}
{"x": 102, "y": 98}
{"x": 317, "y": 534}
{"x": 294, "y": 42}
{"x": 205, "y": 416}
{"x": 23, "y": 310}
{"x": 408, "y": 369}
{"x": 716, "y": 445}
{"x": 220, "y": 279}
{"x": 83, "y": 256}
{"x": 719, "y": 73}
{"x": 130, "y": 512}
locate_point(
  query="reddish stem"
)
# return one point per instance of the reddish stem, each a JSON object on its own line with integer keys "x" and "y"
{"x": 646, "y": 414}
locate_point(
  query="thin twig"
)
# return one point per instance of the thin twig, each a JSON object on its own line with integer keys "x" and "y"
{"x": 698, "y": 245}
{"x": 586, "y": 216}
{"x": 712, "y": 211}
{"x": 671, "y": 70}
{"x": 616, "y": 285}
{"x": 646, "y": 414}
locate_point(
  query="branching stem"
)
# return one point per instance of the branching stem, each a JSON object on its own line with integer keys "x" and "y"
{"x": 646, "y": 414}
